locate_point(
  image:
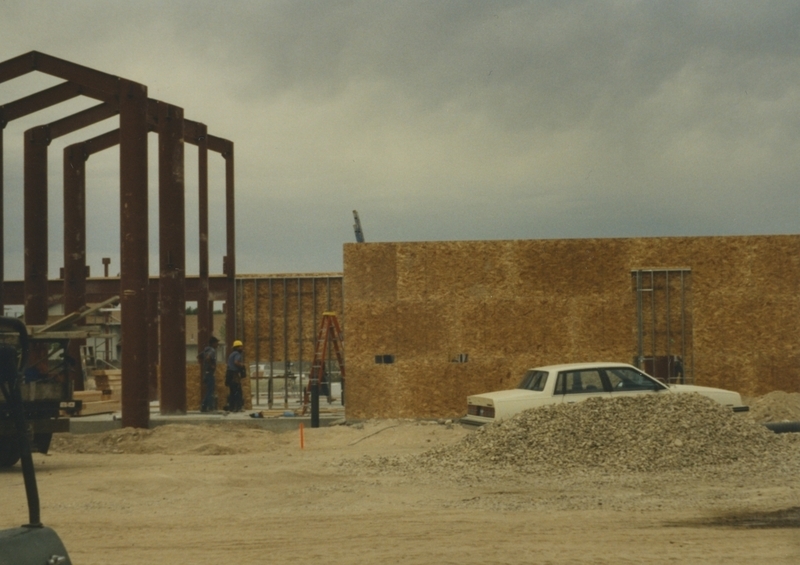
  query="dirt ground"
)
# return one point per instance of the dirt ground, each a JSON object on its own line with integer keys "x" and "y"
{"x": 233, "y": 494}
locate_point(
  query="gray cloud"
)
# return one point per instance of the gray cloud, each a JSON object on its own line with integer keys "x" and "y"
{"x": 451, "y": 120}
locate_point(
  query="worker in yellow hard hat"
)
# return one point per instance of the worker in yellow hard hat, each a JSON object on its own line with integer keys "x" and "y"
{"x": 234, "y": 374}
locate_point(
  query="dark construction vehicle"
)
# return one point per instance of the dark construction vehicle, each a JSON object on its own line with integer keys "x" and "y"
{"x": 31, "y": 543}
{"x": 46, "y": 387}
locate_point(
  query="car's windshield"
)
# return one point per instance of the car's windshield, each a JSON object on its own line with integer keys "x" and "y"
{"x": 624, "y": 378}
{"x": 533, "y": 380}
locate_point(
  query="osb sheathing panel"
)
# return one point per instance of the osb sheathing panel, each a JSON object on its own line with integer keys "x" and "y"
{"x": 510, "y": 305}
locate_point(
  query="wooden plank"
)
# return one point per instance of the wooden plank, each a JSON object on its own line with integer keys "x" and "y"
{"x": 100, "y": 407}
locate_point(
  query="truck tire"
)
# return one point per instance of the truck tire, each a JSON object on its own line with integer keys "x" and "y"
{"x": 9, "y": 451}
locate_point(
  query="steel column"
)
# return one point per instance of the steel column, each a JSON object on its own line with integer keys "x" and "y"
{"x": 299, "y": 333}
{"x": 204, "y": 312}
{"x": 271, "y": 346}
{"x": 35, "y": 194}
{"x": 256, "y": 338}
{"x": 285, "y": 345}
{"x": 172, "y": 263}
{"x": 230, "y": 221}
{"x": 2, "y": 226}
{"x": 74, "y": 245}
{"x": 134, "y": 251}
{"x": 152, "y": 344}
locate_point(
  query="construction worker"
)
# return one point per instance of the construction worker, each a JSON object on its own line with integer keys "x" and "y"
{"x": 208, "y": 364}
{"x": 234, "y": 374}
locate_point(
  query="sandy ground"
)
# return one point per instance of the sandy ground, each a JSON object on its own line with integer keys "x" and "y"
{"x": 231, "y": 494}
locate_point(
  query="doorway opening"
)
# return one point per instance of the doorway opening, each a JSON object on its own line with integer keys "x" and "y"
{"x": 664, "y": 323}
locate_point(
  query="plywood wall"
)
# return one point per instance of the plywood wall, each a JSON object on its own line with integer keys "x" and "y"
{"x": 510, "y": 305}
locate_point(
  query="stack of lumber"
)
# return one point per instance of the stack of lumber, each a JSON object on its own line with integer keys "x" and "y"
{"x": 106, "y": 398}
{"x": 108, "y": 380}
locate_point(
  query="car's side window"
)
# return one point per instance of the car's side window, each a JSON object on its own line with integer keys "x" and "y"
{"x": 624, "y": 379}
{"x": 579, "y": 382}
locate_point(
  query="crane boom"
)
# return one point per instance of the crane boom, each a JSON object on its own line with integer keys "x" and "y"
{"x": 357, "y": 228}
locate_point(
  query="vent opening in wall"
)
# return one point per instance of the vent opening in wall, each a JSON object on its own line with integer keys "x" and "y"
{"x": 459, "y": 358}
{"x": 384, "y": 359}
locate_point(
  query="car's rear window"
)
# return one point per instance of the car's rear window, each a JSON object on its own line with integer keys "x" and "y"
{"x": 533, "y": 380}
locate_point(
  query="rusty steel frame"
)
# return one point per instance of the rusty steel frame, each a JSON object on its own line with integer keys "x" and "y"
{"x": 37, "y": 140}
{"x": 172, "y": 317}
{"x": 75, "y": 269}
{"x": 132, "y": 99}
{"x": 23, "y": 107}
{"x": 134, "y": 280}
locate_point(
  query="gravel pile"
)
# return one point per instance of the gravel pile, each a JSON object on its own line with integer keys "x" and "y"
{"x": 777, "y": 406}
{"x": 648, "y": 433}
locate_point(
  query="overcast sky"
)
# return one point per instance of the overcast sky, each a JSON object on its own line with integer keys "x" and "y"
{"x": 460, "y": 120}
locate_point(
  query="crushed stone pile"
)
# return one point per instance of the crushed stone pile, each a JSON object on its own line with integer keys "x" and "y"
{"x": 638, "y": 433}
{"x": 776, "y": 406}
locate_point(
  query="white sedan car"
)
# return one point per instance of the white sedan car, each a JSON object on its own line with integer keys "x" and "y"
{"x": 576, "y": 382}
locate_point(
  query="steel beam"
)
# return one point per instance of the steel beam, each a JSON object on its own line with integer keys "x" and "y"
{"x": 39, "y": 101}
{"x": 90, "y": 78}
{"x": 172, "y": 260}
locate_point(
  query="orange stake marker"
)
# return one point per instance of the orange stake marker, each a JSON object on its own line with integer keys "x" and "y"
{"x": 302, "y": 439}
